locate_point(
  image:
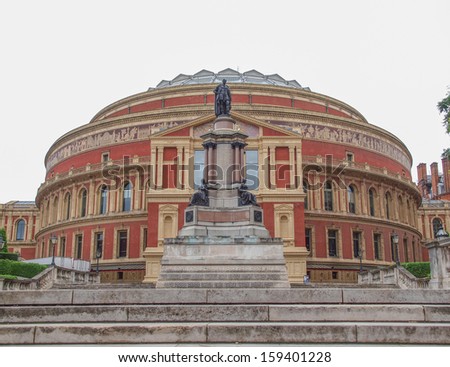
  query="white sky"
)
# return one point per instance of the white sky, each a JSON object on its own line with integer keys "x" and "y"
{"x": 62, "y": 61}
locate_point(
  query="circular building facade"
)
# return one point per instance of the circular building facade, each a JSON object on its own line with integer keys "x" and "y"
{"x": 336, "y": 188}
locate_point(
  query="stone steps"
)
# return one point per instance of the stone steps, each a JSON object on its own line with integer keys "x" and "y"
{"x": 296, "y": 315}
{"x": 219, "y": 276}
{"x": 274, "y": 333}
{"x": 229, "y": 313}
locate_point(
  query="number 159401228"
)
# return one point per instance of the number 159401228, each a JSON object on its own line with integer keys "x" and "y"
{"x": 295, "y": 357}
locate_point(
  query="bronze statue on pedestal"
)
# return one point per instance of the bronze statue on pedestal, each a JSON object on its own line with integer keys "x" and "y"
{"x": 222, "y": 104}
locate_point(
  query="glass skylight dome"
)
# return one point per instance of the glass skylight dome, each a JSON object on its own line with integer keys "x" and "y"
{"x": 232, "y": 76}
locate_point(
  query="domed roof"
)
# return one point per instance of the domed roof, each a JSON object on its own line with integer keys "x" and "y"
{"x": 232, "y": 76}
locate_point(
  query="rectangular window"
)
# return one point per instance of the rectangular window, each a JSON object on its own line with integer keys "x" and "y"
{"x": 377, "y": 246}
{"x": 50, "y": 248}
{"x": 251, "y": 169}
{"x": 144, "y": 238}
{"x": 405, "y": 249}
{"x": 105, "y": 157}
{"x": 332, "y": 242}
{"x": 98, "y": 245}
{"x": 357, "y": 251}
{"x": 199, "y": 166}
{"x": 123, "y": 243}
{"x": 308, "y": 238}
{"x": 62, "y": 247}
{"x": 350, "y": 156}
{"x": 78, "y": 246}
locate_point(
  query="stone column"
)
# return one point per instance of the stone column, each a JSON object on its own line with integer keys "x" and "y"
{"x": 160, "y": 163}
{"x": 153, "y": 169}
{"x": 263, "y": 174}
{"x": 291, "y": 167}
{"x": 29, "y": 231}
{"x": 206, "y": 170}
{"x": 180, "y": 168}
{"x": 273, "y": 168}
{"x": 364, "y": 198}
{"x": 237, "y": 162}
{"x": 299, "y": 167}
{"x": 91, "y": 198}
{"x": 186, "y": 170}
{"x": 74, "y": 203}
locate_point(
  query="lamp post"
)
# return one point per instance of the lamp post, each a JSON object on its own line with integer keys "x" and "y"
{"x": 395, "y": 243}
{"x": 98, "y": 254}
{"x": 441, "y": 233}
{"x": 360, "y": 255}
{"x": 53, "y": 240}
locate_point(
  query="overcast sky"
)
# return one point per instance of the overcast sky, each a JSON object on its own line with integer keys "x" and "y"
{"x": 63, "y": 61}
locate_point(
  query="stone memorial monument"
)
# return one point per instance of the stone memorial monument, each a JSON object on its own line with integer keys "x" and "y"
{"x": 223, "y": 243}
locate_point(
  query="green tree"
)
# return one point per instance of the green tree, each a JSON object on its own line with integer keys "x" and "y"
{"x": 5, "y": 244}
{"x": 444, "y": 108}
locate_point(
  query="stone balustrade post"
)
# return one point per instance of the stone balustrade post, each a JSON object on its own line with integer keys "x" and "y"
{"x": 439, "y": 253}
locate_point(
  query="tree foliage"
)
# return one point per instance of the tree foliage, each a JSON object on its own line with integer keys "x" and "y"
{"x": 5, "y": 244}
{"x": 419, "y": 270}
{"x": 444, "y": 108}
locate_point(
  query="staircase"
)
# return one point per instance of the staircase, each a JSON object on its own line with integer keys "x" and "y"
{"x": 297, "y": 315}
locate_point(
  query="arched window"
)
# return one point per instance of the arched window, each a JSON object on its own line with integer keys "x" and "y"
{"x": 328, "y": 196}
{"x": 305, "y": 191}
{"x": 83, "y": 202}
{"x": 437, "y": 224}
{"x": 20, "y": 230}
{"x": 67, "y": 206}
{"x": 284, "y": 226}
{"x": 388, "y": 202}
{"x": 372, "y": 202}
{"x": 103, "y": 199}
{"x": 351, "y": 199}
{"x": 126, "y": 198}
{"x": 168, "y": 226}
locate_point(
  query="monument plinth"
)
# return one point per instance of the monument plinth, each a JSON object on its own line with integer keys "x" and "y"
{"x": 223, "y": 243}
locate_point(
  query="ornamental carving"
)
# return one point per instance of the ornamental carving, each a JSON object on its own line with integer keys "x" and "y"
{"x": 109, "y": 137}
{"x": 351, "y": 137}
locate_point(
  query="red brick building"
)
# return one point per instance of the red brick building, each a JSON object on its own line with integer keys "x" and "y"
{"x": 434, "y": 212}
{"x": 21, "y": 222}
{"x": 335, "y": 187}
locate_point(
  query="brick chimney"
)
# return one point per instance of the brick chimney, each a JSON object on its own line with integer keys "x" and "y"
{"x": 422, "y": 179}
{"x": 434, "y": 179}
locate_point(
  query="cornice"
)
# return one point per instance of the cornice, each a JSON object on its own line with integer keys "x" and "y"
{"x": 207, "y": 89}
{"x": 356, "y": 219}
{"x": 94, "y": 220}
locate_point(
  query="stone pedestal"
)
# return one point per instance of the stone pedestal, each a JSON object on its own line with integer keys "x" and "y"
{"x": 223, "y": 262}
{"x": 228, "y": 222}
{"x": 439, "y": 253}
{"x": 152, "y": 256}
{"x": 223, "y": 243}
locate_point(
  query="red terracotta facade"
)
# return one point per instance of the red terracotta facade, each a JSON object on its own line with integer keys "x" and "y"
{"x": 303, "y": 141}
